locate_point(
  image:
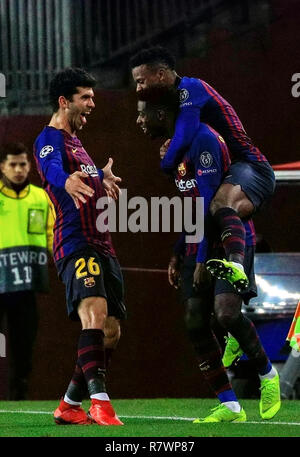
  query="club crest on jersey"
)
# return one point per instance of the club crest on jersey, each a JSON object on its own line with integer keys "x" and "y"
{"x": 183, "y": 95}
{"x": 181, "y": 169}
{"x": 89, "y": 282}
{"x": 206, "y": 159}
{"x": 46, "y": 150}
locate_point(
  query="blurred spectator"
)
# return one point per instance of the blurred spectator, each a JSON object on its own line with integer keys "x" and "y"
{"x": 26, "y": 226}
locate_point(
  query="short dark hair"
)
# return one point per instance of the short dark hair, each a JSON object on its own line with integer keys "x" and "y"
{"x": 161, "y": 97}
{"x": 157, "y": 55}
{"x": 66, "y": 83}
{"x": 12, "y": 149}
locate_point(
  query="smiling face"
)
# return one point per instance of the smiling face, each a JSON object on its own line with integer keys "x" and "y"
{"x": 80, "y": 106}
{"x": 151, "y": 120}
{"x": 16, "y": 168}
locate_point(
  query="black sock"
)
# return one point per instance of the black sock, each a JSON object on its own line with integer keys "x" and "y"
{"x": 77, "y": 387}
{"x": 91, "y": 359}
{"x": 233, "y": 233}
{"x": 245, "y": 333}
{"x": 209, "y": 356}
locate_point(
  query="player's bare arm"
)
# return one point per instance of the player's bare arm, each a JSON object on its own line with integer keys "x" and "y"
{"x": 77, "y": 189}
{"x": 163, "y": 149}
{"x": 174, "y": 271}
{"x": 201, "y": 275}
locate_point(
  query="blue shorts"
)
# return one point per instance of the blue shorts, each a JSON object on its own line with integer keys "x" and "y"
{"x": 86, "y": 273}
{"x": 257, "y": 180}
{"x": 218, "y": 286}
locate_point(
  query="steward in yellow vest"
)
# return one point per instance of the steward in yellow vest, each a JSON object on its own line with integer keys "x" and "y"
{"x": 26, "y": 234}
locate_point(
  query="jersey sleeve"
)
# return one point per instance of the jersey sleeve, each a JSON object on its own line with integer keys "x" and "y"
{"x": 192, "y": 97}
{"x": 48, "y": 153}
{"x": 50, "y": 224}
{"x": 207, "y": 158}
{"x": 100, "y": 173}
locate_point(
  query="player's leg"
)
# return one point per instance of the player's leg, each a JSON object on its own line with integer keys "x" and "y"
{"x": 114, "y": 287}
{"x": 91, "y": 358}
{"x": 209, "y": 358}
{"x": 112, "y": 334}
{"x": 101, "y": 411}
{"x": 198, "y": 309}
{"x": 86, "y": 301}
{"x": 245, "y": 188}
{"x": 229, "y": 315}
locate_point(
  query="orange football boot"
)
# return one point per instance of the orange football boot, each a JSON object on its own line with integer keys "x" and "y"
{"x": 102, "y": 413}
{"x": 67, "y": 414}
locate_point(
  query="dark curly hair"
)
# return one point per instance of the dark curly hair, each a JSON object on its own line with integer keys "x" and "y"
{"x": 66, "y": 83}
{"x": 157, "y": 55}
{"x": 14, "y": 149}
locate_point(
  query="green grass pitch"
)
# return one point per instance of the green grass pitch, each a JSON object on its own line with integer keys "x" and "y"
{"x": 149, "y": 418}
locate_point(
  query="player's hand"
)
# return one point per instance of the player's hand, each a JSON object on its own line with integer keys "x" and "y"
{"x": 174, "y": 271}
{"x": 202, "y": 277}
{"x": 77, "y": 189}
{"x": 164, "y": 148}
{"x": 110, "y": 181}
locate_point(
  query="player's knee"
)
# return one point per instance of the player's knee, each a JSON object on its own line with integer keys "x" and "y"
{"x": 112, "y": 332}
{"x": 227, "y": 309}
{"x": 93, "y": 312}
{"x": 193, "y": 318}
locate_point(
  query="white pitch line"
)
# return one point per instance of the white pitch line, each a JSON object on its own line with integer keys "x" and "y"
{"x": 173, "y": 418}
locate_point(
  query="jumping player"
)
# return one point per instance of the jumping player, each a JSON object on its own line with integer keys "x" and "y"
{"x": 85, "y": 258}
{"x": 250, "y": 179}
{"x": 200, "y": 174}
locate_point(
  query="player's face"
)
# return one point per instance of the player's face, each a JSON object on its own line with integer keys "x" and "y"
{"x": 150, "y": 121}
{"x": 16, "y": 168}
{"x": 79, "y": 107}
{"x": 145, "y": 77}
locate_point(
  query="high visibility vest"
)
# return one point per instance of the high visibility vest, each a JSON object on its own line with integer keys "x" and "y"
{"x": 23, "y": 239}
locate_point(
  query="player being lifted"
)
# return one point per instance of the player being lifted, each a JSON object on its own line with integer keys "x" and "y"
{"x": 85, "y": 258}
{"x": 250, "y": 179}
{"x": 201, "y": 172}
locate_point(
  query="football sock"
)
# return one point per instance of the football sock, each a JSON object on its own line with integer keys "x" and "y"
{"x": 233, "y": 406}
{"x": 77, "y": 387}
{"x": 101, "y": 396}
{"x": 227, "y": 396}
{"x": 245, "y": 333}
{"x": 209, "y": 356}
{"x": 233, "y": 233}
{"x": 269, "y": 373}
{"x": 91, "y": 359}
{"x": 71, "y": 402}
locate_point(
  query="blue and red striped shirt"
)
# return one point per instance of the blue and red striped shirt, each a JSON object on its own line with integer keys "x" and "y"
{"x": 58, "y": 155}
{"x": 199, "y": 175}
{"x": 200, "y": 102}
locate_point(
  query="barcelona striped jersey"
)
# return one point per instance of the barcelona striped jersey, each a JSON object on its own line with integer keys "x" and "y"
{"x": 199, "y": 175}
{"x": 58, "y": 155}
{"x": 200, "y": 102}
